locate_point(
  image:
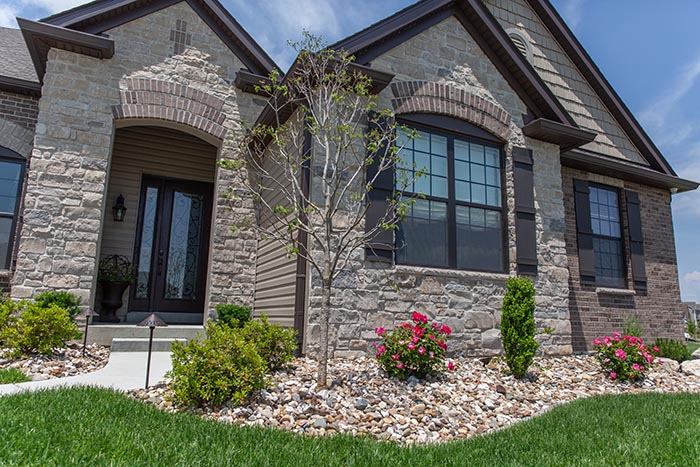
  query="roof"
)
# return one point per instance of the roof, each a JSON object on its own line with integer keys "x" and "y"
{"x": 14, "y": 56}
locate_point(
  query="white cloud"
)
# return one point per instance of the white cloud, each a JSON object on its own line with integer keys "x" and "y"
{"x": 7, "y": 16}
{"x": 572, "y": 11}
{"x": 52, "y": 6}
{"x": 691, "y": 281}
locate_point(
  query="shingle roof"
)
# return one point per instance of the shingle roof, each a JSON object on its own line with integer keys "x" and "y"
{"x": 15, "y": 61}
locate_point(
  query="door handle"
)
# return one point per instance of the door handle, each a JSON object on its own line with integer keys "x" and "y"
{"x": 161, "y": 253}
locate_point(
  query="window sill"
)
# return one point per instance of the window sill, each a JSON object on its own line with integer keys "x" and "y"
{"x": 437, "y": 272}
{"x": 613, "y": 291}
{"x": 5, "y": 273}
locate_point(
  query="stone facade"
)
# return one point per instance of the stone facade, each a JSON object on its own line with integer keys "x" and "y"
{"x": 370, "y": 294}
{"x": 66, "y": 201}
{"x": 659, "y": 309}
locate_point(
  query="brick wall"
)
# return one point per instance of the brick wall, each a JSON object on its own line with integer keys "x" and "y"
{"x": 659, "y": 308}
{"x": 19, "y": 109}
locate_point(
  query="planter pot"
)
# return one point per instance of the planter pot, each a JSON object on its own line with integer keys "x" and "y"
{"x": 112, "y": 293}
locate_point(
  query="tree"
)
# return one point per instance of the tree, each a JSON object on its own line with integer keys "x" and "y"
{"x": 335, "y": 134}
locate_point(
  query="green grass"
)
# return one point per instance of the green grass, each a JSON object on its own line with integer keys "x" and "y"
{"x": 96, "y": 427}
{"x": 12, "y": 375}
{"x": 693, "y": 346}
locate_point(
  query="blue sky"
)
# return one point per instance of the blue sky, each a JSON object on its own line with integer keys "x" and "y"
{"x": 647, "y": 49}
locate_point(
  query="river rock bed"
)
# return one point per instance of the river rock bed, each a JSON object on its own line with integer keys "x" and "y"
{"x": 62, "y": 363}
{"x": 476, "y": 398}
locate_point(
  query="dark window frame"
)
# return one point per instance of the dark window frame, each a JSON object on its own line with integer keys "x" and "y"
{"x": 623, "y": 280}
{"x": 452, "y": 128}
{"x": 7, "y": 155}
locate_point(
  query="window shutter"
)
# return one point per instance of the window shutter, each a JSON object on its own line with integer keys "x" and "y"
{"x": 634, "y": 222}
{"x": 525, "y": 226}
{"x": 586, "y": 258}
{"x": 381, "y": 247}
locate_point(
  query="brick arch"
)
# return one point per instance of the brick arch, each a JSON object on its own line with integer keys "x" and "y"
{"x": 443, "y": 99}
{"x": 16, "y": 138}
{"x": 154, "y": 99}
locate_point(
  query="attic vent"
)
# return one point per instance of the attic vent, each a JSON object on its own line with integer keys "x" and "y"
{"x": 521, "y": 42}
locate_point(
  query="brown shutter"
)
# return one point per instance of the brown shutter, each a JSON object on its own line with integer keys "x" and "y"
{"x": 586, "y": 258}
{"x": 381, "y": 248}
{"x": 525, "y": 226}
{"x": 634, "y": 222}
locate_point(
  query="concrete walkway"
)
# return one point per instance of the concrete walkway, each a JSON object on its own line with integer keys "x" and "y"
{"x": 124, "y": 371}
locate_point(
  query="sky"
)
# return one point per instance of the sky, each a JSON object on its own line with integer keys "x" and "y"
{"x": 647, "y": 49}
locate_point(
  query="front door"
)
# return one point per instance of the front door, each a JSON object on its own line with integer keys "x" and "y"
{"x": 172, "y": 247}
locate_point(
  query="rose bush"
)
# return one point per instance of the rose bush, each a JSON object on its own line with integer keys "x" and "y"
{"x": 625, "y": 357}
{"x": 414, "y": 348}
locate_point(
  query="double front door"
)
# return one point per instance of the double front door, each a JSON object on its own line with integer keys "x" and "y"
{"x": 172, "y": 246}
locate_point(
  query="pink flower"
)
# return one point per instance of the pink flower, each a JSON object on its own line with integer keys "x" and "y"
{"x": 399, "y": 365}
{"x": 616, "y": 334}
{"x": 431, "y": 355}
{"x": 415, "y": 339}
{"x": 619, "y": 353}
{"x": 442, "y": 345}
{"x": 419, "y": 318}
{"x": 406, "y": 325}
{"x": 411, "y": 346}
{"x": 418, "y": 331}
{"x": 431, "y": 337}
{"x": 381, "y": 349}
{"x": 395, "y": 357}
{"x": 451, "y": 366}
{"x": 446, "y": 329}
{"x": 607, "y": 360}
{"x": 380, "y": 331}
{"x": 421, "y": 350}
{"x": 636, "y": 367}
{"x": 613, "y": 375}
{"x": 656, "y": 349}
{"x": 597, "y": 341}
{"x": 435, "y": 326}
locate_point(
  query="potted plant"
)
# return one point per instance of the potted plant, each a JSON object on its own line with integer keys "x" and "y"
{"x": 114, "y": 275}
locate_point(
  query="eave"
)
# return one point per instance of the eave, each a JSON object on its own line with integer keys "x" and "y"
{"x": 41, "y": 37}
{"x": 566, "y": 137}
{"x": 20, "y": 86}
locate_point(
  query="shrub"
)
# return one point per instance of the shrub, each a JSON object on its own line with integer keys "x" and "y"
{"x": 9, "y": 310}
{"x": 62, "y": 299}
{"x": 413, "y": 349}
{"x": 233, "y": 315}
{"x": 39, "y": 329}
{"x": 219, "y": 368}
{"x": 632, "y": 327}
{"x": 624, "y": 357}
{"x": 274, "y": 343}
{"x": 692, "y": 328}
{"x": 675, "y": 350}
{"x": 518, "y": 325}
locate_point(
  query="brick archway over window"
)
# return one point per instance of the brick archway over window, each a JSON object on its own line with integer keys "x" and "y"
{"x": 443, "y": 99}
{"x": 163, "y": 100}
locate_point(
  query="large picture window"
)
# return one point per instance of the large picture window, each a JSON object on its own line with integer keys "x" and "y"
{"x": 11, "y": 173}
{"x": 457, "y": 222}
{"x": 608, "y": 247}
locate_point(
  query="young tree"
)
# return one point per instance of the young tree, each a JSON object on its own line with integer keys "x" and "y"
{"x": 322, "y": 122}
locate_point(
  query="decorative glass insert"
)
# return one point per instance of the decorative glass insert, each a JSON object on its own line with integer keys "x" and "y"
{"x": 143, "y": 278}
{"x": 607, "y": 236}
{"x": 183, "y": 248}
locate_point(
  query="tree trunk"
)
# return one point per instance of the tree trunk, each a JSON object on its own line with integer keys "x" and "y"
{"x": 325, "y": 314}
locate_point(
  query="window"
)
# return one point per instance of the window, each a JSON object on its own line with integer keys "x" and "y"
{"x": 608, "y": 247}
{"x": 11, "y": 173}
{"x": 458, "y": 222}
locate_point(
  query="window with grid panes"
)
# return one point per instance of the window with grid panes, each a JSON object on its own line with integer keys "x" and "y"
{"x": 608, "y": 246}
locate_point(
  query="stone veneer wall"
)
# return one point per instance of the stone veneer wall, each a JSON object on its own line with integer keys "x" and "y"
{"x": 659, "y": 309}
{"x": 66, "y": 192}
{"x": 370, "y": 294}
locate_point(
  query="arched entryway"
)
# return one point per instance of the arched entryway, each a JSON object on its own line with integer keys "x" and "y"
{"x": 166, "y": 177}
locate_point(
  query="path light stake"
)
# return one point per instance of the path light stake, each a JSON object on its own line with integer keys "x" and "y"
{"x": 87, "y": 314}
{"x": 152, "y": 322}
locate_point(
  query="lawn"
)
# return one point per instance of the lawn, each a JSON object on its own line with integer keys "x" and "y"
{"x": 693, "y": 346}
{"x": 12, "y": 375}
{"x": 97, "y": 427}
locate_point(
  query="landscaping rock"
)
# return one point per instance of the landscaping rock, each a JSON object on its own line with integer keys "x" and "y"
{"x": 691, "y": 367}
{"x": 62, "y": 363}
{"x": 667, "y": 364}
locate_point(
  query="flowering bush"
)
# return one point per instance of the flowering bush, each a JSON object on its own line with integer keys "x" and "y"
{"x": 624, "y": 357}
{"x": 414, "y": 348}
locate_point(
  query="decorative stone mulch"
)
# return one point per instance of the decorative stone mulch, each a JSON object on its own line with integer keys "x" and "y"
{"x": 62, "y": 363}
{"x": 475, "y": 399}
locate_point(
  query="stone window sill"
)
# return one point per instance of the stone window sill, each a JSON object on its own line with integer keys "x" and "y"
{"x": 437, "y": 272}
{"x": 613, "y": 291}
{"x": 5, "y": 273}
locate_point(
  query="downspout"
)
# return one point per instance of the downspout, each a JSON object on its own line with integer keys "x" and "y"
{"x": 303, "y": 242}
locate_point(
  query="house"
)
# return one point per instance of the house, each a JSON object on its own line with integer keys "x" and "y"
{"x": 536, "y": 167}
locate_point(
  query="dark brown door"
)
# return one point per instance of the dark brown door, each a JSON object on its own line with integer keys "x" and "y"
{"x": 172, "y": 246}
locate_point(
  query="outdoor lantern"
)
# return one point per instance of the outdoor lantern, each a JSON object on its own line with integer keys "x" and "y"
{"x": 119, "y": 209}
{"x": 152, "y": 322}
{"x": 87, "y": 313}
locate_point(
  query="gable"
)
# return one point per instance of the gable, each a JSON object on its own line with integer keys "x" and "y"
{"x": 565, "y": 80}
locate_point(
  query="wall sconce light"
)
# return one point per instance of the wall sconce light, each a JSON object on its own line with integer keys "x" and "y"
{"x": 119, "y": 209}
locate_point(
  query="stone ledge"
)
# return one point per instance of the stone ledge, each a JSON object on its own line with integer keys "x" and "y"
{"x": 613, "y": 291}
{"x": 437, "y": 272}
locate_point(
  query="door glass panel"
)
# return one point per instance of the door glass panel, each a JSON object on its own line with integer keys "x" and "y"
{"x": 183, "y": 248}
{"x": 143, "y": 278}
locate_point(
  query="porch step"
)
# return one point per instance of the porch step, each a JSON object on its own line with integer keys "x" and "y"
{"x": 141, "y": 345}
{"x": 103, "y": 334}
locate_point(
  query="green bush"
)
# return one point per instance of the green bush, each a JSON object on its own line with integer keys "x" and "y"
{"x": 675, "y": 350}
{"x": 274, "y": 343}
{"x": 63, "y": 299}
{"x": 518, "y": 325}
{"x": 632, "y": 327}
{"x": 233, "y": 315}
{"x": 9, "y": 310}
{"x": 39, "y": 329}
{"x": 692, "y": 328}
{"x": 219, "y": 368}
